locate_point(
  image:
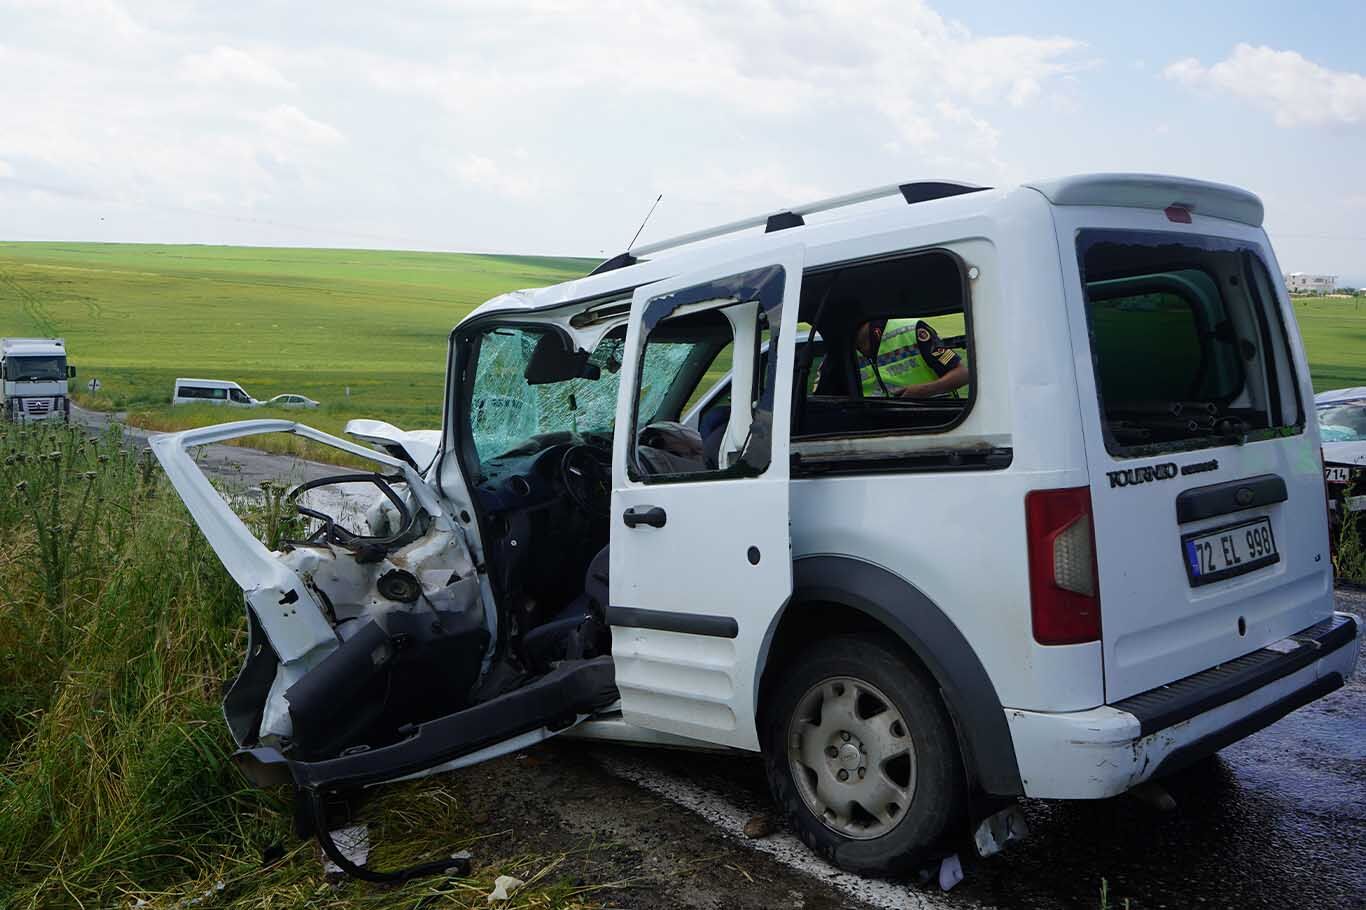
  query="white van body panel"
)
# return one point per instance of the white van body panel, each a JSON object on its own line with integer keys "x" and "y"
{"x": 703, "y": 685}
{"x": 1156, "y": 627}
{"x": 1023, "y": 369}
{"x": 419, "y": 445}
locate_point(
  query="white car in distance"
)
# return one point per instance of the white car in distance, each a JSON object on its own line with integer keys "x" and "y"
{"x": 291, "y": 401}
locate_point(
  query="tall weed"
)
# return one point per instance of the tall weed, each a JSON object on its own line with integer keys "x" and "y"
{"x": 117, "y": 627}
{"x": 118, "y": 631}
{"x": 1349, "y": 552}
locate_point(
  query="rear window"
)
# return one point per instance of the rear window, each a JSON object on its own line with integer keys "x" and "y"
{"x": 1187, "y": 342}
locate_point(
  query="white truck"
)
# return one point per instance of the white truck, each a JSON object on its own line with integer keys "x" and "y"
{"x": 35, "y": 374}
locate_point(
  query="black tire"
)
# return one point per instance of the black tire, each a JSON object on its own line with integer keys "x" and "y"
{"x": 938, "y": 799}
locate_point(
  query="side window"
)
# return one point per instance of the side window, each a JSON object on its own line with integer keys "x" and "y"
{"x": 217, "y": 394}
{"x": 912, "y": 358}
{"x": 894, "y": 354}
{"x": 239, "y": 396}
{"x": 665, "y": 446}
{"x": 725, "y": 333}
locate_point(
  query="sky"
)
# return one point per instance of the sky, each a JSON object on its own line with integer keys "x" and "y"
{"x": 550, "y": 127}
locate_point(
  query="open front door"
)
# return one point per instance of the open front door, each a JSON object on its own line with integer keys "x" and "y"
{"x": 700, "y": 548}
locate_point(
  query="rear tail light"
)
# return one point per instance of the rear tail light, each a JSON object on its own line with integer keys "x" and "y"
{"x": 1064, "y": 602}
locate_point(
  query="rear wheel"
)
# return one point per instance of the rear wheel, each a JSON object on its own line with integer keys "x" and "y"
{"x": 861, "y": 756}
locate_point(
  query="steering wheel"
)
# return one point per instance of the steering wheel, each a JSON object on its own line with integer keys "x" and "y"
{"x": 586, "y": 473}
{"x": 330, "y": 532}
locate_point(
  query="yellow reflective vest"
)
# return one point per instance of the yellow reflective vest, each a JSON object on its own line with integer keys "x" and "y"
{"x": 908, "y": 355}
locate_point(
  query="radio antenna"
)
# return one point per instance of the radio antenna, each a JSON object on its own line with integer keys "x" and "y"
{"x": 643, "y": 223}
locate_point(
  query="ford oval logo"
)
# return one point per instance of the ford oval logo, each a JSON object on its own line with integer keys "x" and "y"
{"x": 1244, "y": 496}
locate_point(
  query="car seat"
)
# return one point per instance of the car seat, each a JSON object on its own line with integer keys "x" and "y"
{"x": 579, "y": 629}
{"x": 712, "y": 426}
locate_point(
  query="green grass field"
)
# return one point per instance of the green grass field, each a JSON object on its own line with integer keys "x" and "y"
{"x": 276, "y": 320}
{"x": 1334, "y": 330}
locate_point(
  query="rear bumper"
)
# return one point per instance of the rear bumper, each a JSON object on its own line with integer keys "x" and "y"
{"x": 1108, "y": 750}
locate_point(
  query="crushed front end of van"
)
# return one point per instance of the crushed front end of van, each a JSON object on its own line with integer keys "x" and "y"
{"x": 371, "y": 648}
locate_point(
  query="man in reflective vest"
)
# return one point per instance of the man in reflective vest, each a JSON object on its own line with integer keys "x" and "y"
{"x": 908, "y": 362}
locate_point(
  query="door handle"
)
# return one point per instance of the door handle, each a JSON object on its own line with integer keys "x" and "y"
{"x": 644, "y": 515}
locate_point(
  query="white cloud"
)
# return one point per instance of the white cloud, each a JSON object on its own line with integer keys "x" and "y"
{"x": 106, "y": 18}
{"x": 1296, "y": 91}
{"x": 228, "y": 65}
{"x": 486, "y": 174}
{"x": 6, "y": 169}
{"x": 452, "y": 122}
{"x": 288, "y": 124}
{"x": 753, "y": 59}
{"x": 751, "y": 187}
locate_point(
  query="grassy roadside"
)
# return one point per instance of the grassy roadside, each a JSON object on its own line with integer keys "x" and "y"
{"x": 1349, "y": 558}
{"x": 118, "y": 630}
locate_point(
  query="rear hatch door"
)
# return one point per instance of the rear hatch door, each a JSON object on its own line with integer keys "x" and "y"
{"x": 1206, "y": 481}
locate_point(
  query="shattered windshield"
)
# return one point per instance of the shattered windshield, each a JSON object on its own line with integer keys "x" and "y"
{"x": 31, "y": 369}
{"x": 1345, "y": 422}
{"x": 506, "y": 410}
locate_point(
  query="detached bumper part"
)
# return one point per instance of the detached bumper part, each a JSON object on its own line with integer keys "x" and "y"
{"x": 559, "y": 699}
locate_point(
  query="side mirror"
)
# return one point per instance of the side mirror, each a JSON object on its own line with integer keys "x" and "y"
{"x": 70, "y": 372}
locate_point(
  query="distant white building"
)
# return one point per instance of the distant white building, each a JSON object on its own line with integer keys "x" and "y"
{"x": 1305, "y": 283}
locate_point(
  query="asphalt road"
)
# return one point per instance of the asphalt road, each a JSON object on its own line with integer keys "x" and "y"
{"x": 238, "y": 465}
{"x": 1274, "y": 821}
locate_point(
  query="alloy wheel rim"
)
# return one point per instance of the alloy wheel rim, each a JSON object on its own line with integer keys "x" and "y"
{"x": 852, "y": 757}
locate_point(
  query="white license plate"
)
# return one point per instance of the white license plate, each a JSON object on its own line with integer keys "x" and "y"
{"x": 1336, "y": 473}
{"x": 1225, "y": 552}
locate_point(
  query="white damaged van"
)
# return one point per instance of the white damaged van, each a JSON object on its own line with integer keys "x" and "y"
{"x": 1036, "y": 509}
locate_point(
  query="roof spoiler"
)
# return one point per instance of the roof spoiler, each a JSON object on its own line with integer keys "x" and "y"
{"x": 1155, "y": 191}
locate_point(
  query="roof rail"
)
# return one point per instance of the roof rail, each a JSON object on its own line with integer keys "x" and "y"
{"x": 782, "y": 219}
{"x": 920, "y": 191}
